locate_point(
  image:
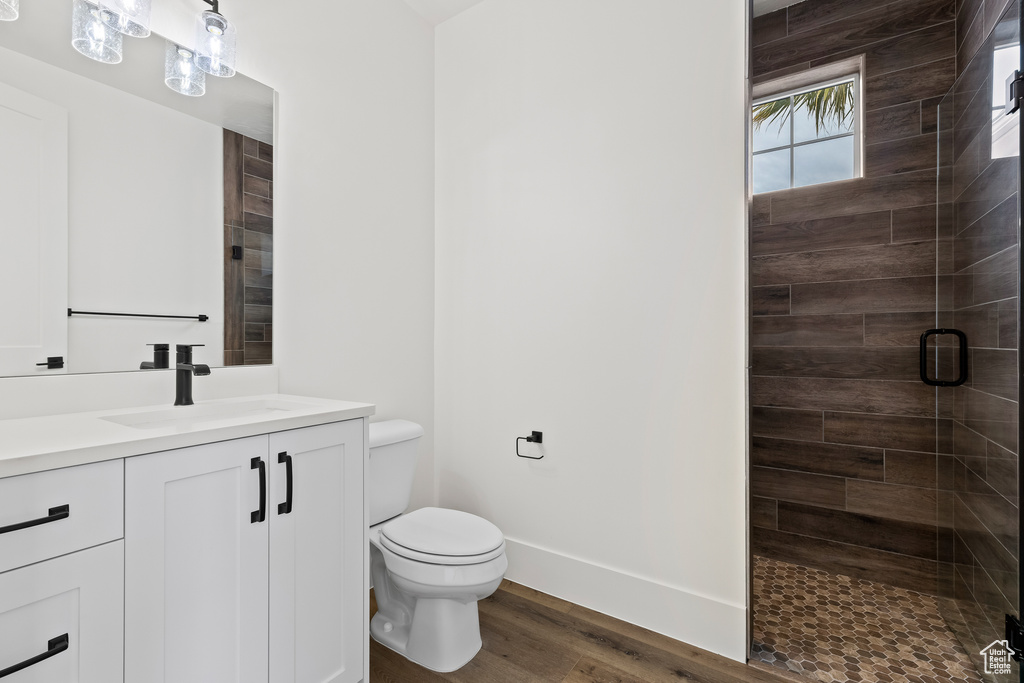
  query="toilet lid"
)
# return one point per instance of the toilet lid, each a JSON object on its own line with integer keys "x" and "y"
{"x": 441, "y": 532}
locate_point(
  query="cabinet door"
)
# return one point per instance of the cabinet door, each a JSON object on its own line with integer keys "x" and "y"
{"x": 62, "y": 619}
{"x": 317, "y": 613}
{"x": 196, "y": 565}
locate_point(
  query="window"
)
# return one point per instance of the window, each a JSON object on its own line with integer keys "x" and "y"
{"x": 806, "y": 136}
{"x": 1005, "y": 129}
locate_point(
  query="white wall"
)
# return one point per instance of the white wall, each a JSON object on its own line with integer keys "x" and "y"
{"x": 354, "y": 164}
{"x": 145, "y": 205}
{"x": 590, "y": 285}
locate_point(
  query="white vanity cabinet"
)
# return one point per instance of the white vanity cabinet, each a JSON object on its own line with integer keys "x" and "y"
{"x": 244, "y": 560}
{"x": 61, "y": 568}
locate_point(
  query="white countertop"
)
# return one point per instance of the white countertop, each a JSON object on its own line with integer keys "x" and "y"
{"x": 35, "y": 444}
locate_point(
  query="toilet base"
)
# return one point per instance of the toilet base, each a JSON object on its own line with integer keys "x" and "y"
{"x": 444, "y": 634}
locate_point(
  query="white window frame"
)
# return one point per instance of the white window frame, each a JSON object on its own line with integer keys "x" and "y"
{"x": 1003, "y": 126}
{"x": 814, "y": 79}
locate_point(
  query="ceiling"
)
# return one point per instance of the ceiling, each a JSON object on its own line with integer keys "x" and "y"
{"x": 436, "y": 11}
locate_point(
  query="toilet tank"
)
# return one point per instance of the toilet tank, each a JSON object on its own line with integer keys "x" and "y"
{"x": 394, "y": 446}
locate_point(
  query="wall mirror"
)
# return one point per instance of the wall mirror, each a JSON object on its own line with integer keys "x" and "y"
{"x": 118, "y": 195}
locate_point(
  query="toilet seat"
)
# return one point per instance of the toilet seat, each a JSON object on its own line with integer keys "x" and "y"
{"x": 441, "y": 536}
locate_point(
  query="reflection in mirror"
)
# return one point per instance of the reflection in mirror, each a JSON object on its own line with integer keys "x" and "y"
{"x": 119, "y": 195}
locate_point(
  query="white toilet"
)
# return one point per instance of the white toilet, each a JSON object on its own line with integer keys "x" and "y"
{"x": 430, "y": 566}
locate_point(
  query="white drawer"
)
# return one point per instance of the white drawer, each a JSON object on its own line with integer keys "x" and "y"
{"x": 94, "y": 495}
{"x": 70, "y": 608}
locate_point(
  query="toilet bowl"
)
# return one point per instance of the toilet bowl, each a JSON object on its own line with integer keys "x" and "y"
{"x": 427, "y": 594}
{"x": 429, "y": 567}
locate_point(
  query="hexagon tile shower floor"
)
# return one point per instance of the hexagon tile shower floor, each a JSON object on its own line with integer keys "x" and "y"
{"x": 830, "y": 627}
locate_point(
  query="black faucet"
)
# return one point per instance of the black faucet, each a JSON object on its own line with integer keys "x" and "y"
{"x": 185, "y": 369}
{"x": 161, "y": 358}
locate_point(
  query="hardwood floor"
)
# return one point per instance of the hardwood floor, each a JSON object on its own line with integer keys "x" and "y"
{"x": 530, "y": 636}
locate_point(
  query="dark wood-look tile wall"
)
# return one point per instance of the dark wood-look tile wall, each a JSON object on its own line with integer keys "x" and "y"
{"x": 810, "y": 41}
{"x": 850, "y": 559}
{"x": 884, "y": 396}
{"x": 869, "y": 530}
{"x": 249, "y": 223}
{"x": 234, "y": 271}
{"x": 892, "y": 363}
{"x": 818, "y": 458}
{"x": 829, "y": 233}
{"x": 846, "y": 464}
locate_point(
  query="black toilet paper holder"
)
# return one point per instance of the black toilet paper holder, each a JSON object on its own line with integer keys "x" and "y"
{"x": 535, "y": 437}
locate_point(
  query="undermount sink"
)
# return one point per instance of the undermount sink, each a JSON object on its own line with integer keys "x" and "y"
{"x": 185, "y": 416}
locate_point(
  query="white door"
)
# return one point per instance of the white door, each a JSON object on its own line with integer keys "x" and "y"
{"x": 317, "y": 590}
{"x": 62, "y": 619}
{"x": 196, "y": 565}
{"x": 33, "y": 232}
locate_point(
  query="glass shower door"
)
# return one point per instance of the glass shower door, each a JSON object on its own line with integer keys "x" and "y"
{"x": 978, "y": 269}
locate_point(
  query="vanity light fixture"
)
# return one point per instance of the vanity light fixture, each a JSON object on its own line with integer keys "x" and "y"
{"x": 91, "y": 37}
{"x": 129, "y": 17}
{"x": 181, "y": 73}
{"x": 8, "y": 10}
{"x": 215, "y": 42}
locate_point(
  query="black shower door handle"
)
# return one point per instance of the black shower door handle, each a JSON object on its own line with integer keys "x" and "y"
{"x": 962, "y": 338}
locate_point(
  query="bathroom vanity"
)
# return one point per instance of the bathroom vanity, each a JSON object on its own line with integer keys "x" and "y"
{"x": 218, "y": 542}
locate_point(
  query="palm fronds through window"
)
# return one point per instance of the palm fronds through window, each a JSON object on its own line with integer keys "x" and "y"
{"x": 825, "y": 106}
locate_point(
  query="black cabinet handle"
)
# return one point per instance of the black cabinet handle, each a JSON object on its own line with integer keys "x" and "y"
{"x": 261, "y": 514}
{"x": 286, "y": 507}
{"x": 962, "y": 338}
{"x": 54, "y": 514}
{"x": 53, "y": 647}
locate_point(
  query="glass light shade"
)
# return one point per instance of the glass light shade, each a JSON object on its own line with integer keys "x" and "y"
{"x": 92, "y": 37}
{"x": 215, "y": 44}
{"x": 8, "y": 10}
{"x": 130, "y": 17}
{"x": 181, "y": 73}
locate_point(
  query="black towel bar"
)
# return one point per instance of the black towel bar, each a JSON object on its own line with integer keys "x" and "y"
{"x": 201, "y": 318}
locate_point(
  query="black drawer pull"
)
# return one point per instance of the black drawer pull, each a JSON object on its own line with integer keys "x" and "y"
{"x": 285, "y": 508}
{"x": 53, "y": 647}
{"x": 261, "y": 514}
{"x": 55, "y": 514}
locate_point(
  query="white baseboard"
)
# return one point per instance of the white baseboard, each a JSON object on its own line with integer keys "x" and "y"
{"x": 695, "y": 619}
